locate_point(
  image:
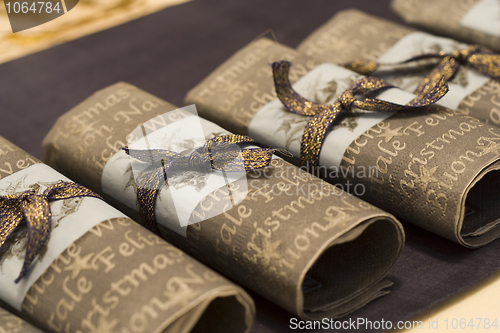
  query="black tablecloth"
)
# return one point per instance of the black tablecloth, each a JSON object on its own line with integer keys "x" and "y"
{"x": 169, "y": 52}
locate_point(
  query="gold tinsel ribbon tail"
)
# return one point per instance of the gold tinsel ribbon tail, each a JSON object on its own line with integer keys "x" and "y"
{"x": 221, "y": 153}
{"x": 367, "y": 67}
{"x": 480, "y": 58}
{"x": 34, "y": 209}
{"x": 324, "y": 116}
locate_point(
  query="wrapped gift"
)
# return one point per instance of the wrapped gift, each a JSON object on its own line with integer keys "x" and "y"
{"x": 471, "y": 21}
{"x": 13, "y": 324}
{"x": 307, "y": 246}
{"x": 432, "y": 166}
{"x": 69, "y": 262}
{"x": 363, "y": 42}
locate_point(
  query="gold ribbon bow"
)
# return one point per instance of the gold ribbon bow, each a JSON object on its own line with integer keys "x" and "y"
{"x": 323, "y": 116}
{"x": 480, "y": 58}
{"x": 34, "y": 209}
{"x": 219, "y": 153}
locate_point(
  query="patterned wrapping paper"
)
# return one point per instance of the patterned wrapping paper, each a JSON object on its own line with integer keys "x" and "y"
{"x": 471, "y": 21}
{"x": 316, "y": 256}
{"x": 434, "y": 167}
{"x": 117, "y": 277}
{"x": 12, "y": 324}
{"x": 352, "y": 34}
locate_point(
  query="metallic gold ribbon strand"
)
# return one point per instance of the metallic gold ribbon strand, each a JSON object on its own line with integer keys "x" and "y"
{"x": 325, "y": 115}
{"x": 219, "y": 153}
{"x": 34, "y": 209}
{"x": 480, "y": 58}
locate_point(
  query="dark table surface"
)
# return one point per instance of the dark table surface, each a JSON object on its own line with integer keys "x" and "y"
{"x": 169, "y": 52}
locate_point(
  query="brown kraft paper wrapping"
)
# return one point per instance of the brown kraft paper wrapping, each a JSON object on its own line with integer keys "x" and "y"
{"x": 433, "y": 167}
{"x": 317, "y": 256}
{"x": 12, "y": 324}
{"x": 250, "y": 87}
{"x": 352, "y": 34}
{"x": 443, "y": 18}
{"x": 119, "y": 277}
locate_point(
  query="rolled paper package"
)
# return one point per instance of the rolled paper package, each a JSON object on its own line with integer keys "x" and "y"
{"x": 471, "y": 21}
{"x": 432, "y": 166}
{"x": 351, "y": 35}
{"x": 298, "y": 241}
{"x": 100, "y": 271}
{"x": 13, "y": 324}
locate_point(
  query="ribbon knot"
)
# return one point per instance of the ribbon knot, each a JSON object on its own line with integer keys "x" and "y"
{"x": 198, "y": 160}
{"x": 34, "y": 210}
{"x": 346, "y": 100}
{"x": 324, "y": 116}
{"x": 220, "y": 153}
{"x": 468, "y": 55}
{"x": 461, "y": 55}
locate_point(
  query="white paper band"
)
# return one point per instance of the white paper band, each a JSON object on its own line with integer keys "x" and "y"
{"x": 71, "y": 219}
{"x": 484, "y": 16}
{"x": 175, "y": 203}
